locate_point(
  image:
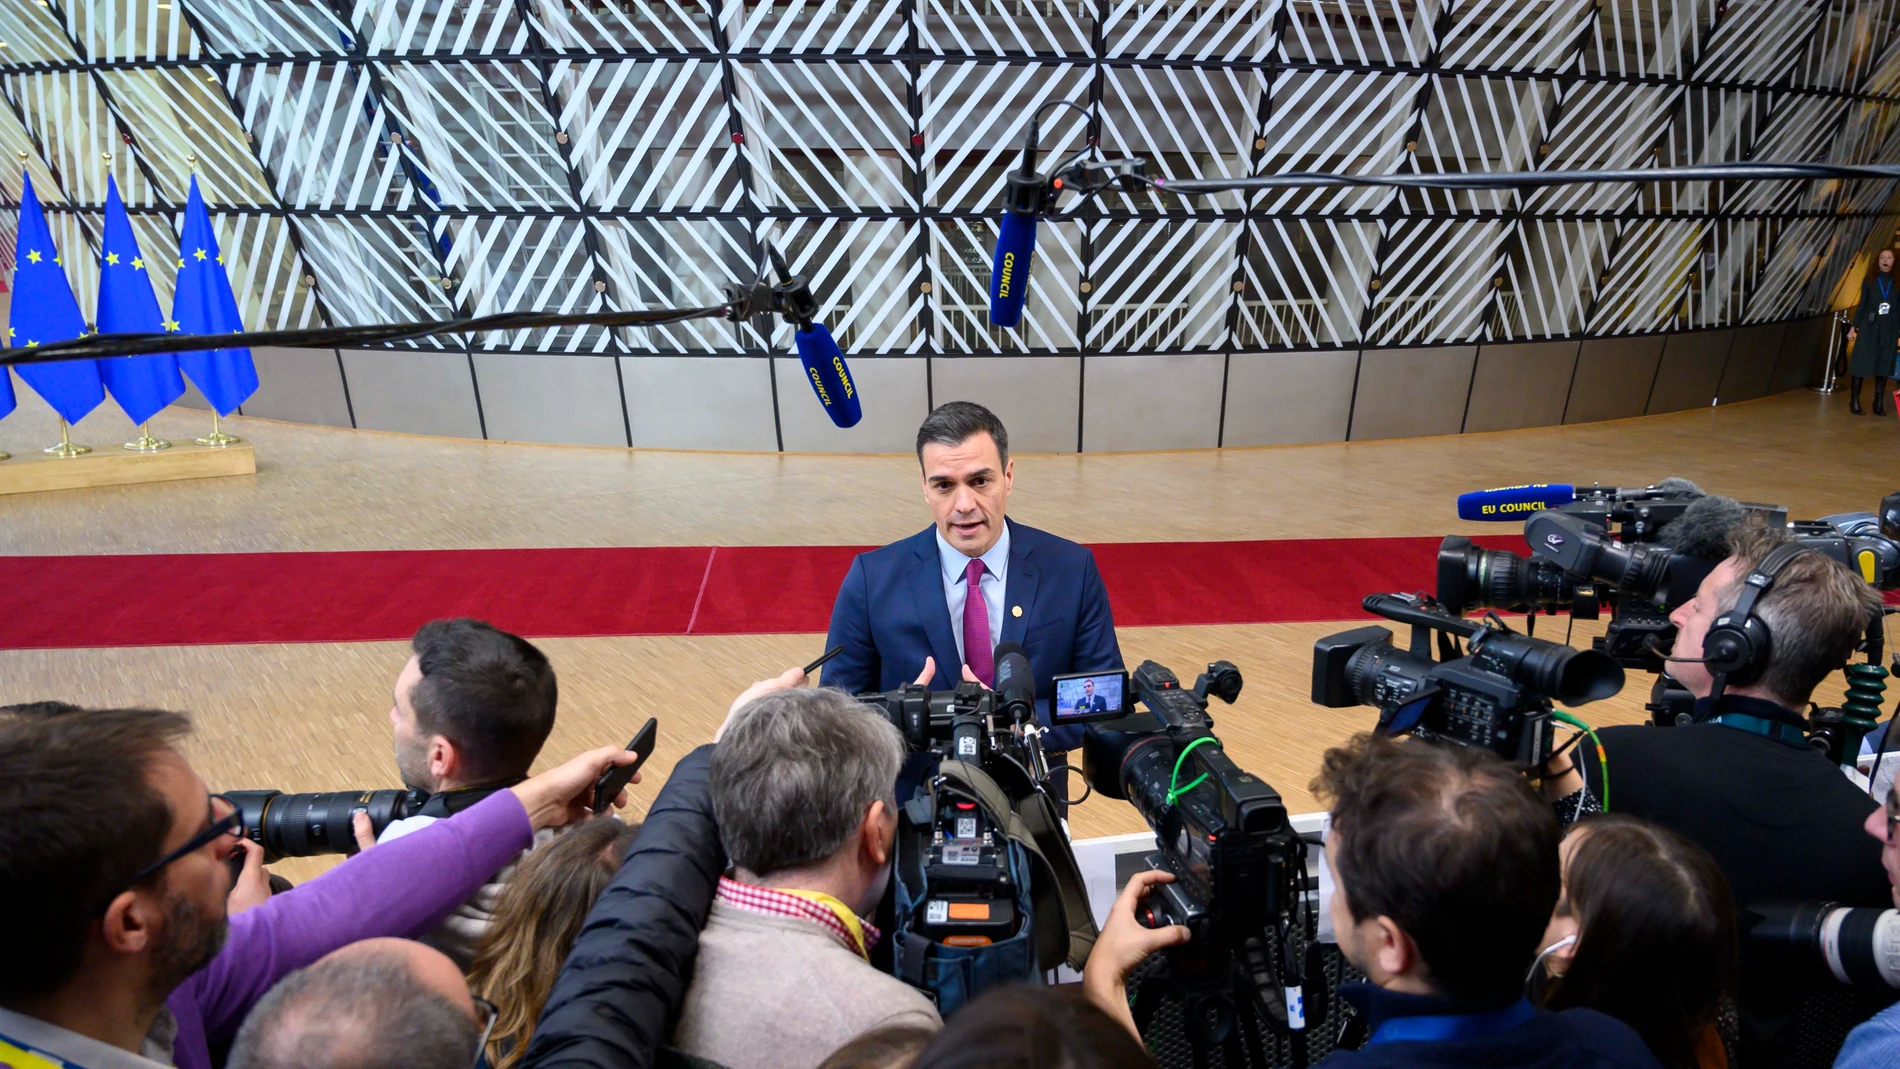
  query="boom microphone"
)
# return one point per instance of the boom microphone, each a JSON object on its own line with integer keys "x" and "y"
{"x": 830, "y": 378}
{"x": 1016, "y": 236}
{"x": 1507, "y": 503}
{"x": 1703, "y": 528}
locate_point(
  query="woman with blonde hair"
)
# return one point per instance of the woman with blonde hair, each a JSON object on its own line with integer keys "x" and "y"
{"x": 539, "y": 914}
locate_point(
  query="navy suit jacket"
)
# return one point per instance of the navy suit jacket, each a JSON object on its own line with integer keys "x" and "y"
{"x": 891, "y": 614}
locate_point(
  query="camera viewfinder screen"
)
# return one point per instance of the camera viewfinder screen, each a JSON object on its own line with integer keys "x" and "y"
{"x": 1090, "y": 697}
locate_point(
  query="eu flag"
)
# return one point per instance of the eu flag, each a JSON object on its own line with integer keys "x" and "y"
{"x": 44, "y": 311}
{"x": 143, "y": 385}
{"x": 203, "y": 303}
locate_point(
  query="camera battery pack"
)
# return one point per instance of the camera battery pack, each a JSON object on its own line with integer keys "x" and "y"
{"x": 968, "y": 920}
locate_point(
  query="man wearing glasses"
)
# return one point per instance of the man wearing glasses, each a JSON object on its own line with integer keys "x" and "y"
{"x": 1875, "y": 1044}
{"x": 113, "y": 878}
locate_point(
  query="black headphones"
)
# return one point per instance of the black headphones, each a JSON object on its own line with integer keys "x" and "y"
{"x": 1738, "y": 646}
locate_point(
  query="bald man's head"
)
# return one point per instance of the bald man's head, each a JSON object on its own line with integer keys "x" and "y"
{"x": 378, "y": 1004}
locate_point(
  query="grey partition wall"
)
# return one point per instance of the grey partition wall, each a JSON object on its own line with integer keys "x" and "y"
{"x": 415, "y": 160}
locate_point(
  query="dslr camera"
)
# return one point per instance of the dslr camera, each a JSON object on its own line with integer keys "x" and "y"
{"x": 1239, "y": 867}
{"x": 306, "y": 825}
{"x": 1494, "y": 693}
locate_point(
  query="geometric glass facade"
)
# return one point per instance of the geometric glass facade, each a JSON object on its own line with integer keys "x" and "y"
{"x": 393, "y": 160}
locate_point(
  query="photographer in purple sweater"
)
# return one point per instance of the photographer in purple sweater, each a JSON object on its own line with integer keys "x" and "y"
{"x": 119, "y": 952}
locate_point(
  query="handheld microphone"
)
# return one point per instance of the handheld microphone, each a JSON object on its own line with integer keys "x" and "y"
{"x": 1016, "y": 237}
{"x": 1015, "y": 682}
{"x": 830, "y": 378}
{"x": 1506, "y": 503}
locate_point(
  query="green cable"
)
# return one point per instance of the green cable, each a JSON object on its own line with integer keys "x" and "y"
{"x": 1603, "y": 760}
{"x": 1175, "y": 792}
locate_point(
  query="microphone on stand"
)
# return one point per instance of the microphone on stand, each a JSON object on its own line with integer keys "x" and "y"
{"x": 1029, "y": 195}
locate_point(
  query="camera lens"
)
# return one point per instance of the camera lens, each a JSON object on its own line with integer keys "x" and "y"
{"x": 1471, "y": 577}
{"x": 1571, "y": 676}
{"x": 305, "y": 825}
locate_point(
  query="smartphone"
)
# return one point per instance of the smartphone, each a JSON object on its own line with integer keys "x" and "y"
{"x": 819, "y": 663}
{"x": 615, "y": 779}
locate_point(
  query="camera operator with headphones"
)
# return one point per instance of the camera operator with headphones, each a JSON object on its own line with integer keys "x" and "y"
{"x": 1764, "y": 629}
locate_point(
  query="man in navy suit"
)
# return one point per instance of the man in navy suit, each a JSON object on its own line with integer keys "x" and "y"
{"x": 904, "y": 612}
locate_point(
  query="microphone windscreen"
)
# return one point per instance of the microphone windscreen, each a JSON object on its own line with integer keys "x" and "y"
{"x": 1674, "y": 485}
{"x": 1508, "y": 503}
{"x": 830, "y": 378}
{"x": 1009, "y": 268}
{"x": 1703, "y": 528}
{"x": 1004, "y": 649}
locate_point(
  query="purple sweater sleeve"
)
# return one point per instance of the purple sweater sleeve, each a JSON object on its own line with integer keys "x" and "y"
{"x": 402, "y": 888}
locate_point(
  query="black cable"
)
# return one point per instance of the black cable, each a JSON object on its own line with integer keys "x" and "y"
{"x": 94, "y": 346}
{"x": 1723, "y": 172}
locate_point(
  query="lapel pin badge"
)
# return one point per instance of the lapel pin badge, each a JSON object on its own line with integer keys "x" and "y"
{"x": 1015, "y": 610}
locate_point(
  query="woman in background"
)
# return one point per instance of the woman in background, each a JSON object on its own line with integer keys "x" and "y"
{"x": 539, "y": 913}
{"x": 1645, "y": 932}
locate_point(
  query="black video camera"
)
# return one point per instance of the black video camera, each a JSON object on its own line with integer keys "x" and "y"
{"x": 1239, "y": 867}
{"x": 995, "y": 729}
{"x": 1495, "y": 694}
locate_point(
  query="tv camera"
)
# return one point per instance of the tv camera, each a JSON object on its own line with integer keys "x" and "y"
{"x": 1240, "y": 877}
{"x": 1494, "y": 694}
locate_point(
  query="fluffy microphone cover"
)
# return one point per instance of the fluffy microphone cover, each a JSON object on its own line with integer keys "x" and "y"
{"x": 1703, "y": 528}
{"x": 1678, "y": 486}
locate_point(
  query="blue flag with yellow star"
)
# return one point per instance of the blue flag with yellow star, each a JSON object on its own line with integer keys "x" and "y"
{"x": 204, "y": 304}
{"x": 143, "y": 385}
{"x": 44, "y": 311}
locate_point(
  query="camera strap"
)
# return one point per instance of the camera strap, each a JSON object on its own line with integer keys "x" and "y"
{"x": 1065, "y": 928}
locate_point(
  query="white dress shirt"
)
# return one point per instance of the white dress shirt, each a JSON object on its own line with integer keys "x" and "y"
{"x": 955, "y": 571}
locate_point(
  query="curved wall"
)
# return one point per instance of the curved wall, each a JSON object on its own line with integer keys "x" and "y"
{"x": 1050, "y": 404}
{"x": 400, "y": 160}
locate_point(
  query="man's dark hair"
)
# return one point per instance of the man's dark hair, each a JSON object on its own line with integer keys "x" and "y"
{"x": 490, "y": 693}
{"x": 955, "y": 422}
{"x": 1031, "y": 1027}
{"x": 80, "y": 817}
{"x": 1453, "y": 845}
{"x": 354, "y": 1013}
{"x": 45, "y": 708}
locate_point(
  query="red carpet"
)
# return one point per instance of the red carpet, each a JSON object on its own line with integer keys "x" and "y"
{"x": 212, "y": 598}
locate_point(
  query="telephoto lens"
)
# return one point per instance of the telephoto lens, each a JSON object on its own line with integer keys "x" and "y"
{"x": 306, "y": 825}
{"x": 1472, "y": 577}
{"x": 1857, "y": 947}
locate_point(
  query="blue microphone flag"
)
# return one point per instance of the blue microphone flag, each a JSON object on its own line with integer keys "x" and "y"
{"x": 1009, "y": 268}
{"x": 44, "y": 311}
{"x": 830, "y": 379}
{"x": 143, "y": 385}
{"x": 204, "y": 304}
{"x": 1507, "y": 503}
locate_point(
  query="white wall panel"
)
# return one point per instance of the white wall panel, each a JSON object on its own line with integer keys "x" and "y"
{"x": 699, "y": 402}
{"x": 1151, "y": 402}
{"x": 563, "y": 400}
{"x": 413, "y": 392}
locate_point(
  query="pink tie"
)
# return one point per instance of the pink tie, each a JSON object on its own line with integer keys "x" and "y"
{"x": 976, "y": 625}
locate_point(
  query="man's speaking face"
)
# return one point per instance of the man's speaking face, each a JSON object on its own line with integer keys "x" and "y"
{"x": 967, "y": 485}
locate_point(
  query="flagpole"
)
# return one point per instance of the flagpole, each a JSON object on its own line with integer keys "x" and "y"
{"x": 145, "y": 443}
{"x": 66, "y": 448}
{"x": 217, "y": 437}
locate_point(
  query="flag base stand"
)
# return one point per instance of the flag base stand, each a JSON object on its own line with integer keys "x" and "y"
{"x": 145, "y": 443}
{"x": 4, "y": 455}
{"x": 217, "y": 439}
{"x": 115, "y": 467}
{"x": 66, "y": 449}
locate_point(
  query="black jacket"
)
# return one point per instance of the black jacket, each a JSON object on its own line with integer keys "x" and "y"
{"x": 615, "y": 1002}
{"x": 1570, "y": 1039}
{"x": 1780, "y": 820}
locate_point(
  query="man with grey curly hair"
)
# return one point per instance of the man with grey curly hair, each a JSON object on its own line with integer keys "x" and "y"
{"x": 803, "y": 793}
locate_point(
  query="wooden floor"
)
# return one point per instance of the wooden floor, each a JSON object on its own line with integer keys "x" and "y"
{"x": 314, "y": 717}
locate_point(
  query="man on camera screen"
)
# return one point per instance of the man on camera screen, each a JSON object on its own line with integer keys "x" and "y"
{"x": 1741, "y": 781}
{"x": 471, "y": 709}
{"x": 802, "y": 792}
{"x": 945, "y": 597}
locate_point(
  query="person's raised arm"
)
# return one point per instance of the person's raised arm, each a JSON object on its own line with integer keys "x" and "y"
{"x": 402, "y": 888}
{"x": 614, "y": 1003}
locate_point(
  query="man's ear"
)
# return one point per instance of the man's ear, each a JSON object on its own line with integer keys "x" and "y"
{"x": 877, "y": 834}
{"x": 127, "y": 926}
{"x": 445, "y": 761}
{"x": 1395, "y": 952}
